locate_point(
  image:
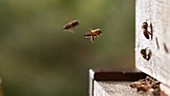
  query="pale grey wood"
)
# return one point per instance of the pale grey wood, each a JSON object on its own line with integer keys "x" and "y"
{"x": 113, "y": 88}
{"x": 91, "y": 82}
{"x": 165, "y": 89}
{"x": 106, "y": 82}
{"x": 156, "y": 12}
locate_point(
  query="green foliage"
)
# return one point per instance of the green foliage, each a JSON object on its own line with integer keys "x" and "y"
{"x": 39, "y": 59}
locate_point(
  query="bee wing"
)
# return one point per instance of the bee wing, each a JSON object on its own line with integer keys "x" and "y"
{"x": 87, "y": 36}
{"x": 69, "y": 30}
{"x": 94, "y": 37}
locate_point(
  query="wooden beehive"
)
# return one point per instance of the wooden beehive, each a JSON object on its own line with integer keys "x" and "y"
{"x": 156, "y": 13}
{"x": 153, "y": 61}
{"x": 110, "y": 82}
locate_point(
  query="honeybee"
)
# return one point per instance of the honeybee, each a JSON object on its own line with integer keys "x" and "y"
{"x": 143, "y": 88}
{"x": 72, "y": 24}
{"x": 140, "y": 86}
{"x": 145, "y": 25}
{"x": 146, "y": 53}
{"x": 148, "y": 84}
{"x": 146, "y": 33}
{"x": 93, "y": 34}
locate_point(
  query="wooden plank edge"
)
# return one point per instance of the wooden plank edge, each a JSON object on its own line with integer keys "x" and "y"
{"x": 112, "y": 75}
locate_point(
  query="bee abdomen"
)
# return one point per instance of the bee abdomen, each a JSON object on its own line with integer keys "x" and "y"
{"x": 71, "y": 25}
{"x": 146, "y": 34}
{"x": 87, "y": 34}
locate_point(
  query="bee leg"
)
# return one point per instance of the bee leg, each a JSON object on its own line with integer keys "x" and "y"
{"x": 151, "y": 34}
{"x": 92, "y": 38}
{"x": 71, "y": 30}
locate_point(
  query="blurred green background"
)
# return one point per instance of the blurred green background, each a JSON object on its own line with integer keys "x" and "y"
{"x": 37, "y": 58}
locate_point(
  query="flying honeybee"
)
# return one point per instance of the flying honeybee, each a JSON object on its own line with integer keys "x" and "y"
{"x": 72, "y": 24}
{"x": 93, "y": 34}
{"x": 146, "y": 33}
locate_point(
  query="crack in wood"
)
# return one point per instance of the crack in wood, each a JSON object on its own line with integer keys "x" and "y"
{"x": 165, "y": 48}
{"x": 157, "y": 43}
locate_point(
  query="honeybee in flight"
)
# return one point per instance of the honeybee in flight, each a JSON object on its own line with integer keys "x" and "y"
{"x": 72, "y": 24}
{"x": 146, "y": 33}
{"x": 92, "y": 34}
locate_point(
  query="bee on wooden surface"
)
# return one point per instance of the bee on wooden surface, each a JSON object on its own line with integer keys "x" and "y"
{"x": 93, "y": 34}
{"x": 145, "y": 25}
{"x": 146, "y": 33}
{"x": 146, "y": 53}
{"x": 140, "y": 86}
{"x": 72, "y": 24}
{"x": 148, "y": 84}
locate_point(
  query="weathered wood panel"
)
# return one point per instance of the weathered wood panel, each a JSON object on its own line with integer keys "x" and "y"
{"x": 157, "y": 13}
{"x": 106, "y": 82}
{"x": 113, "y": 88}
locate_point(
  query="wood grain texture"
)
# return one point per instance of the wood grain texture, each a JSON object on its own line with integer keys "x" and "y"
{"x": 112, "y": 88}
{"x": 165, "y": 89}
{"x": 157, "y": 13}
{"x": 110, "y": 82}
